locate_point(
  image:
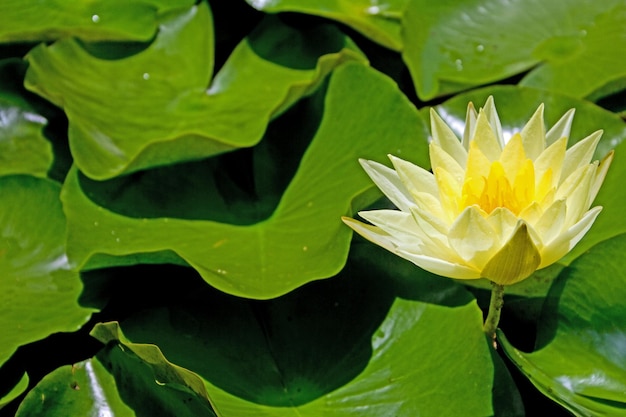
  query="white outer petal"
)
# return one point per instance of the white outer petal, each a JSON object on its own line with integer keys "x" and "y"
{"x": 580, "y": 154}
{"x": 440, "y": 266}
{"x": 534, "y": 134}
{"x": 389, "y": 183}
{"x": 561, "y": 129}
{"x": 566, "y": 241}
{"x": 415, "y": 178}
{"x": 444, "y": 137}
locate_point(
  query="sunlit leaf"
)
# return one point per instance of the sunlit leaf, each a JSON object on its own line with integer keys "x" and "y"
{"x": 378, "y": 20}
{"x": 23, "y": 148}
{"x": 304, "y": 232}
{"x": 580, "y": 361}
{"x": 160, "y": 106}
{"x": 34, "y": 20}
{"x": 15, "y": 392}
{"x": 38, "y": 291}
{"x": 595, "y": 53}
{"x": 450, "y": 45}
{"x": 124, "y": 379}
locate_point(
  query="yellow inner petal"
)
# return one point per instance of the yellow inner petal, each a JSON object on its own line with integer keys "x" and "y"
{"x": 509, "y": 182}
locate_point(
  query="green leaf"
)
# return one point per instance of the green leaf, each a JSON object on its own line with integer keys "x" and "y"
{"x": 376, "y": 340}
{"x": 123, "y": 379}
{"x": 378, "y": 20}
{"x": 23, "y": 148}
{"x": 596, "y": 56}
{"x": 15, "y": 392}
{"x": 450, "y": 45}
{"x": 34, "y": 20}
{"x": 38, "y": 291}
{"x": 581, "y": 361}
{"x": 165, "y": 106}
{"x": 304, "y": 232}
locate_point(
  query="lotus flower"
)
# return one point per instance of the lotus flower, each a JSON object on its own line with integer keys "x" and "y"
{"x": 493, "y": 207}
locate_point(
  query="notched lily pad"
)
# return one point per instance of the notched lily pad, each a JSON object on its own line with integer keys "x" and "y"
{"x": 304, "y": 231}
{"x": 123, "y": 379}
{"x": 23, "y": 148}
{"x": 38, "y": 291}
{"x": 34, "y": 20}
{"x": 580, "y": 361}
{"x": 449, "y": 47}
{"x": 378, "y": 20}
{"x": 367, "y": 342}
{"x": 160, "y": 105}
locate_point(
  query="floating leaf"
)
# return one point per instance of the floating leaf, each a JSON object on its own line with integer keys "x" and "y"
{"x": 38, "y": 291}
{"x": 34, "y": 20}
{"x": 304, "y": 232}
{"x": 124, "y": 379}
{"x": 451, "y": 46}
{"x": 23, "y": 148}
{"x": 375, "y": 340}
{"x": 581, "y": 361}
{"x": 159, "y": 106}
{"x": 15, "y": 392}
{"x": 595, "y": 55}
{"x": 378, "y": 20}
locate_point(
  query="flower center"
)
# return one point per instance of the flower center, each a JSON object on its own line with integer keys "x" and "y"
{"x": 497, "y": 190}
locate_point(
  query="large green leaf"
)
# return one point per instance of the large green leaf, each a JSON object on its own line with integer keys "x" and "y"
{"x": 303, "y": 239}
{"x": 159, "y": 105}
{"x": 581, "y": 64}
{"x": 378, "y": 20}
{"x": 34, "y": 20}
{"x": 124, "y": 379}
{"x": 15, "y": 391}
{"x": 581, "y": 360}
{"x": 38, "y": 291}
{"x": 382, "y": 338}
{"x": 451, "y": 45}
{"x": 23, "y": 148}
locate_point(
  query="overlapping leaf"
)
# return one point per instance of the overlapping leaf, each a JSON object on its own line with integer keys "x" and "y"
{"x": 38, "y": 291}
{"x": 378, "y": 20}
{"x": 370, "y": 341}
{"x": 35, "y": 20}
{"x": 124, "y": 379}
{"x": 450, "y": 46}
{"x": 159, "y": 105}
{"x": 581, "y": 360}
{"x": 23, "y": 148}
{"x": 304, "y": 232}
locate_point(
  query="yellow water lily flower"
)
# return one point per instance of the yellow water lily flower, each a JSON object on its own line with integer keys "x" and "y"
{"x": 493, "y": 207}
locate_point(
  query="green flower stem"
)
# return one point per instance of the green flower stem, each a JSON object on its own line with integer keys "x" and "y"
{"x": 495, "y": 307}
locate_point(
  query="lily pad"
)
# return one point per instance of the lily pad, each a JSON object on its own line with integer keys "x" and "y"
{"x": 581, "y": 361}
{"x": 124, "y": 379}
{"x": 15, "y": 392}
{"x": 367, "y": 342}
{"x": 159, "y": 106}
{"x": 38, "y": 291}
{"x": 378, "y": 20}
{"x": 304, "y": 231}
{"x": 451, "y": 46}
{"x": 596, "y": 53}
{"x": 23, "y": 148}
{"x": 34, "y": 20}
